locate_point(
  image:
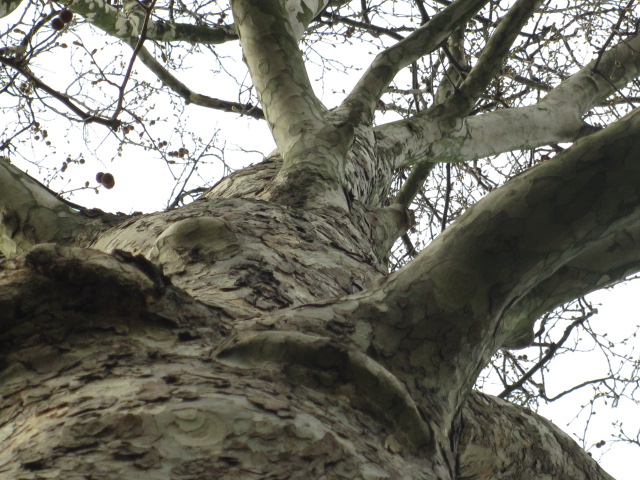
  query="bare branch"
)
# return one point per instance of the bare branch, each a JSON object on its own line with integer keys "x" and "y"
{"x": 147, "y": 9}
{"x": 492, "y": 425}
{"x": 16, "y": 64}
{"x": 189, "y": 95}
{"x": 106, "y": 17}
{"x": 313, "y": 149}
{"x": 422, "y": 138}
{"x": 550, "y": 352}
{"x": 112, "y": 20}
{"x": 492, "y": 57}
{"x": 374, "y": 29}
{"x": 362, "y": 100}
{"x": 614, "y": 31}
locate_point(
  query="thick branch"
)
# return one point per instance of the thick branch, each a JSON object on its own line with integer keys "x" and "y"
{"x": 313, "y": 150}
{"x": 492, "y": 439}
{"x": 362, "y": 100}
{"x": 556, "y": 118}
{"x": 517, "y": 238}
{"x": 30, "y": 213}
{"x": 590, "y": 86}
{"x": 8, "y": 6}
{"x": 462, "y": 286}
{"x": 603, "y": 263}
{"x": 492, "y": 57}
{"x": 278, "y": 72}
{"x": 117, "y": 23}
{"x": 458, "y": 66}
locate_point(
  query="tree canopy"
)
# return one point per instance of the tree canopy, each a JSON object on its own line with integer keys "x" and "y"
{"x": 498, "y": 138}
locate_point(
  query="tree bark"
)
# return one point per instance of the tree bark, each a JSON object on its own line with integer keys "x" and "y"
{"x": 272, "y": 342}
{"x": 256, "y": 333}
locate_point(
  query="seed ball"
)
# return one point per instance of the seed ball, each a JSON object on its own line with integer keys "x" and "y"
{"x": 57, "y": 24}
{"x": 66, "y": 16}
{"x": 106, "y": 179}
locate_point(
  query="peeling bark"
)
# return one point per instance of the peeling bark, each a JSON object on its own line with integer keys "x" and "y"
{"x": 268, "y": 321}
{"x": 499, "y": 439}
{"x": 30, "y": 214}
{"x": 256, "y": 332}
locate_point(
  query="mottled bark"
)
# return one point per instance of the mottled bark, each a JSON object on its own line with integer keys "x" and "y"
{"x": 273, "y": 343}
{"x": 500, "y": 440}
{"x": 256, "y": 332}
{"x": 31, "y": 214}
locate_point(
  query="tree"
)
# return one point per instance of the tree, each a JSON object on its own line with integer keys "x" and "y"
{"x": 257, "y": 332}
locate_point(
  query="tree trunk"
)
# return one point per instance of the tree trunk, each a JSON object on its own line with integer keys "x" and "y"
{"x": 265, "y": 346}
{"x": 256, "y": 333}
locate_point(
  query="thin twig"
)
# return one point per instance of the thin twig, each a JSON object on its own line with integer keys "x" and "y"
{"x": 18, "y": 65}
{"x": 553, "y": 348}
{"x": 141, "y": 39}
{"x": 614, "y": 32}
{"x": 447, "y": 198}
